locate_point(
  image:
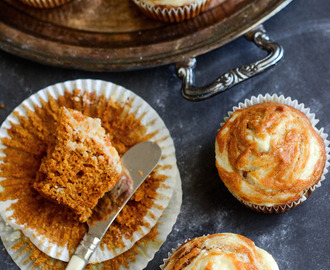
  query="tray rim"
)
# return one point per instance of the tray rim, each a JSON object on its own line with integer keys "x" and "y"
{"x": 17, "y": 47}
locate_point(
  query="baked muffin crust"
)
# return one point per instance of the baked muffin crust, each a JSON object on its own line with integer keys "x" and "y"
{"x": 269, "y": 154}
{"x": 220, "y": 251}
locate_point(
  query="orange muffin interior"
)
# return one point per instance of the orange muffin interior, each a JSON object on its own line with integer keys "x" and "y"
{"x": 81, "y": 166}
{"x": 21, "y": 164}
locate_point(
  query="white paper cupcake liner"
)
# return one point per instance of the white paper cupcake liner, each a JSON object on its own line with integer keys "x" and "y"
{"x": 149, "y": 118}
{"x": 44, "y": 3}
{"x": 166, "y": 223}
{"x": 145, "y": 251}
{"x": 170, "y": 253}
{"x": 171, "y": 14}
{"x": 311, "y": 116}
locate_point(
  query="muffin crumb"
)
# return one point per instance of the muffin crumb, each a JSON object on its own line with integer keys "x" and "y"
{"x": 71, "y": 174}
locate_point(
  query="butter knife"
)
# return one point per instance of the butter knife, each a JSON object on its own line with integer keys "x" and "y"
{"x": 139, "y": 161}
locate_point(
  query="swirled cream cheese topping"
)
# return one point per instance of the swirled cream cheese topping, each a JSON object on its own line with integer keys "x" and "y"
{"x": 269, "y": 154}
{"x": 225, "y": 251}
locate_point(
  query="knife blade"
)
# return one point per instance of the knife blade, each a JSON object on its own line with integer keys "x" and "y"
{"x": 139, "y": 161}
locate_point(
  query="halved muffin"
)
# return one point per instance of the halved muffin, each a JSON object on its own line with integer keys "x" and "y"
{"x": 81, "y": 166}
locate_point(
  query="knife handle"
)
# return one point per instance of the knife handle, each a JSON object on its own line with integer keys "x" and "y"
{"x": 83, "y": 252}
{"x": 76, "y": 263}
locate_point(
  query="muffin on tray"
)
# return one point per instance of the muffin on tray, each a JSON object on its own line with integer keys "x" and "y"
{"x": 81, "y": 166}
{"x": 172, "y": 10}
{"x": 44, "y": 3}
{"x": 269, "y": 156}
{"x": 220, "y": 251}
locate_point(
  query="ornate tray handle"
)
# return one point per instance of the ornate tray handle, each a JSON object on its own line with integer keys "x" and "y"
{"x": 231, "y": 78}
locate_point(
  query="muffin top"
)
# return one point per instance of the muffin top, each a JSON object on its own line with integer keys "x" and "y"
{"x": 220, "y": 251}
{"x": 269, "y": 154}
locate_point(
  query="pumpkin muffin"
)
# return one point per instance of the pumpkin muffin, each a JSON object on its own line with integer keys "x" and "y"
{"x": 44, "y": 3}
{"x": 29, "y": 131}
{"x": 220, "y": 251}
{"x": 172, "y": 10}
{"x": 81, "y": 166}
{"x": 269, "y": 156}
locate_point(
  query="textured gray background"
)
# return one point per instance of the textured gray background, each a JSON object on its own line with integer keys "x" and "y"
{"x": 298, "y": 239}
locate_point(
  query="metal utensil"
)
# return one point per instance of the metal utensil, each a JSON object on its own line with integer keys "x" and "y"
{"x": 139, "y": 161}
{"x": 233, "y": 77}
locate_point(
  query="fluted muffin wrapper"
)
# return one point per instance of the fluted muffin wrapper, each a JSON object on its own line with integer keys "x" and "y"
{"x": 311, "y": 116}
{"x": 44, "y": 3}
{"x": 148, "y": 117}
{"x": 172, "y": 14}
{"x": 165, "y": 226}
{"x": 146, "y": 251}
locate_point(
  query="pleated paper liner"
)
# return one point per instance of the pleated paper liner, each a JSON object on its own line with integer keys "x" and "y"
{"x": 170, "y": 14}
{"x": 135, "y": 258}
{"x": 311, "y": 116}
{"x": 44, "y": 3}
{"x": 156, "y": 131}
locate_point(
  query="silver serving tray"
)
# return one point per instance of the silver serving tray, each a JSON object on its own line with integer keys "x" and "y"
{"x": 98, "y": 35}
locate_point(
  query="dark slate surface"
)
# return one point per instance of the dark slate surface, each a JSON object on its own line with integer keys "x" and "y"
{"x": 298, "y": 239}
